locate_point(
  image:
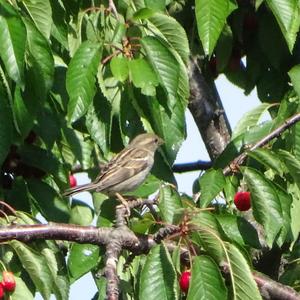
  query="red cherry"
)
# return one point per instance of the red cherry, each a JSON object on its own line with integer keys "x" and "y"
{"x": 184, "y": 281}
{"x": 72, "y": 181}
{"x": 242, "y": 201}
{"x": 1, "y": 291}
{"x": 8, "y": 281}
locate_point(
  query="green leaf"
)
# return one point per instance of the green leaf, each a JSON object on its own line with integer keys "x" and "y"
{"x": 143, "y": 76}
{"x": 207, "y": 235}
{"x": 206, "y": 280}
{"x": 59, "y": 28}
{"x": 49, "y": 126}
{"x": 291, "y": 275}
{"x": 77, "y": 146}
{"x": 41, "y": 13}
{"x": 6, "y": 125}
{"x": 143, "y": 13}
{"x": 36, "y": 266}
{"x": 243, "y": 285}
{"x": 23, "y": 113}
{"x": 81, "y": 213}
{"x": 211, "y": 17}
{"x": 142, "y": 226}
{"x": 211, "y": 184}
{"x": 265, "y": 203}
{"x": 170, "y": 126}
{"x": 296, "y": 140}
{"x": 40, "y": 66}
{"x": 82, "y": 259}
{"x": 75, "y": 32}
{"x": 286, "y": 201}
{"x": 230, "y": 188}
{"x": 12, "y": 45}
{"x": 294, "y": 191}
{"x": 169, "y": 203}
{"x": 49, "y": 203}
{"x": 80, "y": 79}
{"x": 292, "y": 164}
{"x": 44, "y": 160}
{"x": 165, "y": 66}
{"x": 250, "y": 119}
{"x": 288, "y": 107}
{"x": 130, "y": 121}
{"x": 56, "y": 263}
{"x": 239, "y": 230}
{"x": 272, "y": 84}
{"x": 21, "y": 291}
{"x": 19, "y": 197}
{"x": 41, "y": 54}
{"x": 119, "y": 67}
{"x": 98, "y": 122}
{"x": 156, "y": 4}
{"x": 158, "y": 278}
{"x": 172, "y": 32}
{"x": 287, "y": 15}
{"x": 294, "y": 74}
{"x": 267, "y": 158}
{"x": 269, "y": 34}
{"x": 107, "y": 208}
{"x": 223, "y": 49}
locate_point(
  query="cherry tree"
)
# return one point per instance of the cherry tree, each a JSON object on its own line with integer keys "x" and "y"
{"x": 80, "y": 79}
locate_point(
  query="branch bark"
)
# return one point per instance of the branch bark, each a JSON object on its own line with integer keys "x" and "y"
{"x": 207, "y": 110}
{"x": 117, "y": 239}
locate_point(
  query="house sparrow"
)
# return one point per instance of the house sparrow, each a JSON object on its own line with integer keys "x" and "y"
{"x": 127, "y": 170}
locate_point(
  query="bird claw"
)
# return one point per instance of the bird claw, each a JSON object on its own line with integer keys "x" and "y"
{"x": 124, "y": 204}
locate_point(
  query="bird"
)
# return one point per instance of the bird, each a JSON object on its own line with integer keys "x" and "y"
{"x": 126, "y": 171}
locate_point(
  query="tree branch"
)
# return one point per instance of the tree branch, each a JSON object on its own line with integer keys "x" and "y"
{"x": 271, "y": 289}
{"x": 207, "y": 110}
{"x": 262, "y": 142}
{"x": 56, "y": 231}
{"x": 116, "y": 239}
{"x": 192, "y": 166}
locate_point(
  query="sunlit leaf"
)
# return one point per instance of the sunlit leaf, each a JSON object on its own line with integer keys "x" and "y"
{"x": 206, "y": 280}
{"x": 211, "y": 184}
{"x": 81, "y": 78}
{"x": 265, "y": 203}
{"x": 158, "y": 278}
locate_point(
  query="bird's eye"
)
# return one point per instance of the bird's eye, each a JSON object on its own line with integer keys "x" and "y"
{"x": 156, "y": 140}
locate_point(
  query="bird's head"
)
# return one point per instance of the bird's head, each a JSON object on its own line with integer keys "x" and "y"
{"x": 149, "y": 141}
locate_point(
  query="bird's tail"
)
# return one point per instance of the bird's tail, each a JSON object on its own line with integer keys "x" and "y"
{"x": 79, "y": 188}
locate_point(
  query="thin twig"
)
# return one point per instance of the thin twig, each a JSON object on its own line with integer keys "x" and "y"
{"x": 262, "y": 142}
{"x": 192, "y": 166}
{"x": 112, "y": 7}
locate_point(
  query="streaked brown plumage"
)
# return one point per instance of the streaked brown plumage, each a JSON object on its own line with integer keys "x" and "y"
{"x": 127, "y": 170}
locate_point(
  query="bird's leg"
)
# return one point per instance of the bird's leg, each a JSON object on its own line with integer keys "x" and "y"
{"x": 124, "y": 203}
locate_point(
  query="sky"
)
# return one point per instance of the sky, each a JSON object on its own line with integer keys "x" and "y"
{"x": 235, "y": 105}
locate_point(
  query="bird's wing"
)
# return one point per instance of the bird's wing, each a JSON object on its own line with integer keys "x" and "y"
{"x": 120, "y": 168}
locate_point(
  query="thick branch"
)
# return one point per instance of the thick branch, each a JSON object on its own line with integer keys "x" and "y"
{"x": 208, "y": 112}
{"x": 56, "y": 231}
{"x": 274, "y": 290}
{"x": 117, "y": 239}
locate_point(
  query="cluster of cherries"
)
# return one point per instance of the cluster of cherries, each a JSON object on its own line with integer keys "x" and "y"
{"x": 242, "y": 202}
{"x": 8, "y": 283}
